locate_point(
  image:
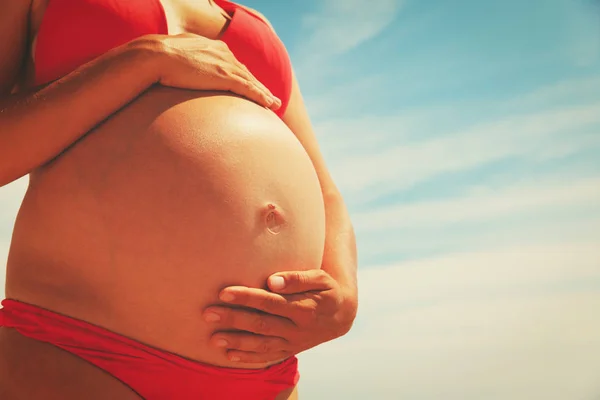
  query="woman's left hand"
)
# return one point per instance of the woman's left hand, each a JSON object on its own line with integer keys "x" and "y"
{"x": 302, "y": 310}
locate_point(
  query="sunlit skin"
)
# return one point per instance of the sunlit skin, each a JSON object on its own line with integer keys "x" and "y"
{"x": 148, "y": 186}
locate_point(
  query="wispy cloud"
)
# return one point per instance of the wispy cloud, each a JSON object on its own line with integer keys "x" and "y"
{"x": 549, "y": 211}
{"x": 334, "y": 29}
{"x": 372, "y": 155}
{"x": 341, "y": 25}
{"x": 536, "y": 136}
{"x": 579, "y": 90}
{"x": 483, "y": 204}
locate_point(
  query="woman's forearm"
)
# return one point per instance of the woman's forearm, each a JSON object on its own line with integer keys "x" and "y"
{"x": 340, "y": 259}
{"x": 36, "y": 127}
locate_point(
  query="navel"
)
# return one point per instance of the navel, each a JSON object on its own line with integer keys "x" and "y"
{"x": 273, "y": 218}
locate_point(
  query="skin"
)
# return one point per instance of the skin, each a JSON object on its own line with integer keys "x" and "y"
{"x": 329, "y": 297}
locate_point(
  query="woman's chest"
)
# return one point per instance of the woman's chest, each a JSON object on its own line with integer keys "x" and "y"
{"x": 202, "y": 17}
{"x": 58, "y": 24}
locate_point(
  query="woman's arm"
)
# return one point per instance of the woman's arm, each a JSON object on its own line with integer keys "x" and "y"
{"x": 36, "y": 127}
{"x": 340, "y": 258}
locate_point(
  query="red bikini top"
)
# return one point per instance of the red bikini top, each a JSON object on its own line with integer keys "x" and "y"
{"x": 74, "y": 32}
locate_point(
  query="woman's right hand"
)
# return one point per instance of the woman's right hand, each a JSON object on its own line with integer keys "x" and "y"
{"x": 194, "y": 62}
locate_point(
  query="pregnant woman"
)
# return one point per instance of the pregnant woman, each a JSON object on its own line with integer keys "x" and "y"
{"x": 151, "y": 190}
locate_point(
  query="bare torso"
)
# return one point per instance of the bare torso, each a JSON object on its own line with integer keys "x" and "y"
{"x": 138, "y": 225}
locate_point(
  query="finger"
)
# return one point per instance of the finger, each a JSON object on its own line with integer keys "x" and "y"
{"x": 256, "y": 358}
{"x": 187, "y": 35}
{"x": 255, "y": 90}
{"x": 270, "y": 100}
{"x": 249, "y": 321}
{"x": 250, "y": 76}
{"x": 243, "y": 341}
{"x": 300, "y": 281}
{"x": 246, "y": 74}
{"x": 258, "y": 299}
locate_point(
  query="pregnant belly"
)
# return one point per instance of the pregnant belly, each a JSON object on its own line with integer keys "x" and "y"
{"x": 138, "y": 226}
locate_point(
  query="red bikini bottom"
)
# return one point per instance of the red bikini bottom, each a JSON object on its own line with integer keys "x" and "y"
{"x": 152, "y": 373}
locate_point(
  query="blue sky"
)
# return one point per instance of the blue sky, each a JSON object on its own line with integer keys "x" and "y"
{"x": 465, "y": 137}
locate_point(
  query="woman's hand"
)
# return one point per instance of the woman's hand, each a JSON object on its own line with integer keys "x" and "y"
{"x": 194, "y": 62}
{"x": 303, "y": 310}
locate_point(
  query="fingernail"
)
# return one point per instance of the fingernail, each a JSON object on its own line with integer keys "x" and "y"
{"x": 234, "y": 358}
{"x": 221, "y": 343}
{"x": 227, "y": 296}
{"x": 277, "y": 282}
{"x": 212, "y": 317}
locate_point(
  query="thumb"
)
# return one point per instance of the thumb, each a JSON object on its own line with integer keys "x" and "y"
{"x": 300, "y": 281}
